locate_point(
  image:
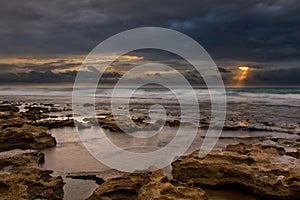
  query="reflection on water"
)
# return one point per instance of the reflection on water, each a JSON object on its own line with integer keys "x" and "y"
{"x": 228, "y": 195}
{"x": 78, "y": 189}
{"x": 70, "y": 156}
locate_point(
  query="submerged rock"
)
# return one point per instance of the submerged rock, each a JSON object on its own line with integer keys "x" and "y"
{"x": 146, "y": 186}
{"x": 265, "y": 170}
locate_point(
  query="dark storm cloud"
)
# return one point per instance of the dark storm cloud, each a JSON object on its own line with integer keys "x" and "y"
{"x": 275, "y": 77}
{"x": 223, "y": 70}
{"x": 244, "y": 30}
{"x": 50, "y": 77}
{"x": 264, "y": 35}
{"x": 39, "y": 67}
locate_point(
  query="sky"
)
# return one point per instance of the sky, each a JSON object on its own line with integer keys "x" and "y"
{"x": 46, "y": 41}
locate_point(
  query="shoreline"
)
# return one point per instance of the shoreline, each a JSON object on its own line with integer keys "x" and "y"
{"x": 40, "y": 117}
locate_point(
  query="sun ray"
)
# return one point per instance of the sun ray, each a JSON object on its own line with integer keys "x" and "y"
{"x": 238, "y": 79}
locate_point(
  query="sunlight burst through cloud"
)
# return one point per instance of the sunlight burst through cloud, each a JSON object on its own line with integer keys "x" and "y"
{"x": 243, "y": 68}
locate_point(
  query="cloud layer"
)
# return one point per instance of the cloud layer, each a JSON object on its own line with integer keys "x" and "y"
{"x": 265, "y": 34}
{"x": 251, "y": 30}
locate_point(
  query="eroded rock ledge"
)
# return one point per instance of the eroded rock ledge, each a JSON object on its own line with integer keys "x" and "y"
{"x": 146, "y": 186}
{"x": 265, "y": 170}
{"x": 20, "y": 177}
{"x": 25, "y": 137}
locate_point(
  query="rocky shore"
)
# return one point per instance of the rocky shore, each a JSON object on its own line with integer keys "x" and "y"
{"x": 270, "y": 169}
{"x": 265, "y": 170}
{"x": 20, "y": 141}
{"x": 146, "y": 186}
{"x": 21, "y": 178}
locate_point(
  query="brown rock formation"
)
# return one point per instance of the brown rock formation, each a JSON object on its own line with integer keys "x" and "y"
{"x": 146, "y": 187}
{"x": 265, "y": 170}
{"x": 30, "y": 183}
{"x": 10, "y": 160}
{"x": 52, "y": 123}
{"x": 25, "y": 137}
{"x": 19, "y": 179}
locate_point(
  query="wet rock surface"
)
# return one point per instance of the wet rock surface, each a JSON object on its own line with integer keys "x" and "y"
{"x": 20, "y": 174}
{"x": 268, "y": 171}
{"x": 52, "y": 123}
{"x": 93, "y": 177}
{"x": 146, "y": 186}
{"x": 30, "y": 183}
{"x": 25, "y": 137}
{"x": 20, "y": 177}
{"x": 17, "y": 158}
{"x": 263, "y": 169}
{"x": 245, "y": 117}
{"x": 27, "y": 129}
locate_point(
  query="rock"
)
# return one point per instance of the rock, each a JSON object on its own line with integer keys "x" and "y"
{"x": 81, "y": 125}
{"x": 49, "y": 104}
{"x": 6, "y": 115}
{"x": 288, "y": 142}
{"x": 12, "y": 122}
{"x": 53, "y": 109}
{"x": 126, "y": 187}
{"x": 258, "y": 127}
{"x": 174, "y": 123}
{"x": 36, "y": 109}
{"x": 295, "y": 154}
{"x": 8, "y": 107}
{"x": 52, "y": 123}
{"x": 33, "y": 116}
{"x": 162, "y": 187}
{"x": 93, "y": 177}
{"x": 20, "y": 179}
{"x": 35, "y": 112}
{"x": 269, "y": 123}
{"x": 263, "y": 169}
{"x": 88, "y": 105}
{"x": 25, "y": 137}
{"x": 8, "y": 111}
{"x": 146, "y": 186}
{"x": 110, "y": 124}
{"x": 13, "y": 159}
{"x": 31, "y": 184}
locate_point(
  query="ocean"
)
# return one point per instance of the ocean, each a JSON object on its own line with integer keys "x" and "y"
{"x": 280, "y": 96}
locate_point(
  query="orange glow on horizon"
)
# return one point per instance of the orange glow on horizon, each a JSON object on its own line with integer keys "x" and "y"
{"x": 60, "y": 64}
